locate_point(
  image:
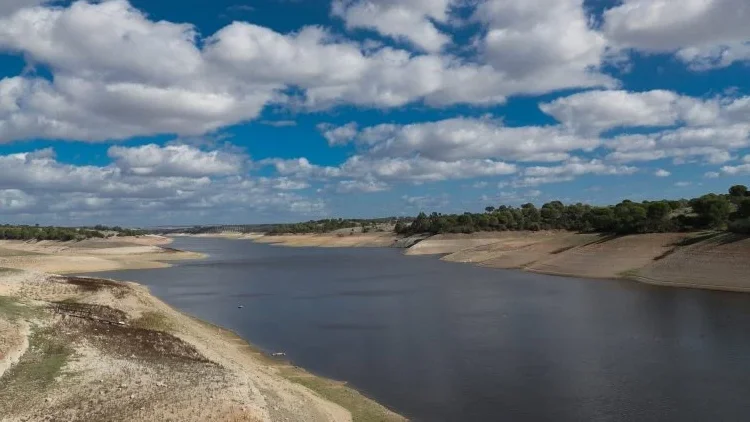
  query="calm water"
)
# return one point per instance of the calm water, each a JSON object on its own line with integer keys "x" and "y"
{"x": 439, "y": 341}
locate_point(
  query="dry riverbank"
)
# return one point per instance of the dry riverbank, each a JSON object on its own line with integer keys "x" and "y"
{"x": 91, "y": 255}
{"x": 79, "y": 348}
{"x": 698, "y": 260}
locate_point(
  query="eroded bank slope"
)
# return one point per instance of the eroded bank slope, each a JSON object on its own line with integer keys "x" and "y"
{"x": 91, "y": 255}
{"x": 701, "y": 260}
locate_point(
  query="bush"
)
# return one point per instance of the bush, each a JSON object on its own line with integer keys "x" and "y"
{"x": 740, "y": 226}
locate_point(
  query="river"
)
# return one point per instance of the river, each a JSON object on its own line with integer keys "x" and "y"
{"x": 439, "y": 341}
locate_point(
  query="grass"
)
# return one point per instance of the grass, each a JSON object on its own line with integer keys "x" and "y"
{"x": 37, "y": 370}
{"x": 630, "y": 274}
{"x": 362, "y": 408}
{"x": 154, "y": 321}
{"x": 12, "y": 309}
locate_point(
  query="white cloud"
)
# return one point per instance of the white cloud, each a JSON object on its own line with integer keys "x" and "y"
{"x": 711, "y": 144}
{"x": 35, "y": 184}
{"x": 594, "y": 112}
{"x": 712, "y": 175}
{"x": 409, "y": 20}
{"x": 338, "y": 135}
{"x": 367, "y": 186}
{"x": 573, "y": 168}
{"x": 284, "y": 183}
{"x": 467, "y": 138}
{"x": 549, "y": 43}
{"x": 683, "y": 184}
{"x": 415, "y": 169}
{"x": 14, "y": 200}
{"x": 140, "y": 77}
{"x": 703, "y": 33}
{"x": 175, "y": 160}
{"x": 662, "y": 173}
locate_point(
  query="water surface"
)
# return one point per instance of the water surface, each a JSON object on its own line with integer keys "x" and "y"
{"x": 440, "y": 341}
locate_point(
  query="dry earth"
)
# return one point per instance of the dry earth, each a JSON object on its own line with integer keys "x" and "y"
{"x": 709, "y": 261}
{"x": 90, "y": 255}
{"x": 332, "y": 240}
{"x": 83, "y": 349}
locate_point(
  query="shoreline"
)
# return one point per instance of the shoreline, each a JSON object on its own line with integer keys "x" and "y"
{"x": 152, "y": 360}
{"x": 704, "y": 260}
{"x": 92, "y": 255}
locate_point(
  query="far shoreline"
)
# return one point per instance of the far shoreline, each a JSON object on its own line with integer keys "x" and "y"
{"x": 704, "y": 260}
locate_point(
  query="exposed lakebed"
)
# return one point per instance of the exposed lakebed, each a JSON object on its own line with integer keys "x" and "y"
{"x": 440, "y": 341}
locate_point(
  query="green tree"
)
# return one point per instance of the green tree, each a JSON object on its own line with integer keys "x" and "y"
{"x": 738, "y": 191}
{"x": 713, "y": 210}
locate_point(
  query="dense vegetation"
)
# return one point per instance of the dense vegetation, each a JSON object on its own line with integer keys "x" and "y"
{"x": 713, "y": 211}
{"x": 120, "y": 231}
{"x": 8, "y": 232}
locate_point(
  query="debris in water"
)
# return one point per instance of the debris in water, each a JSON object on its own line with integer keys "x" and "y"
{"x": 278, "y": 354}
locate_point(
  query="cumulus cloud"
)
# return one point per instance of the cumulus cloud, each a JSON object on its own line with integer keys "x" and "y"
{"x": 468, "y": 138}
{"x": 367, "y": 186}
{"x": 338, "y": 135}
{"x": 594, "y": 112}
{"x": 711, "y": 144}
{"x": 549, "y": 42}
{"x": 703, "y": 33}
{"x": 575, "y": 167}
{"x": 409, "y": 20}
{"x": 175, "y": 160}
{"x": 662, "y": 173}
{"x": 142, "y": 77}
{"x": 37, "y": 184}
{"x": 415, "y": 169}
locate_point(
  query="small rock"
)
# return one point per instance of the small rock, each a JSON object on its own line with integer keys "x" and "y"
{"x": 132, "y": 396}
{"x": 48, "y": 399}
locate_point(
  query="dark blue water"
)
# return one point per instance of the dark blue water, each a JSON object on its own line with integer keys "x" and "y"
{"x": 439, "y": 341}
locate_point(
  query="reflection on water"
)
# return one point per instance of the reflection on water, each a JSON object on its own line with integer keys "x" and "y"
{"x": 439, "y": 341}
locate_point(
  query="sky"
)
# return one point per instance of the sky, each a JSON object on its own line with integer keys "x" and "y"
{"x": 151, "y": 113}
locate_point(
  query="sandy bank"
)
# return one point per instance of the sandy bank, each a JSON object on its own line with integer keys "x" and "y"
{"x": 711, "y": 261}
{"x": 91, "y": 255}
{"x": 360, "y": 240}
{"x": 698, "y": 260}
{"x": 105, "y": 350}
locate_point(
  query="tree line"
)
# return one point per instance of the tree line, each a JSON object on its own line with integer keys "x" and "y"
{"x": 8, "y": 232}
{"x": 26, "y": 232}
{"x": 729, "y": 211}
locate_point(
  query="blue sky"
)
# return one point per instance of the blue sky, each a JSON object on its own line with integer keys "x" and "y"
{"x": 153, "y": 113}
